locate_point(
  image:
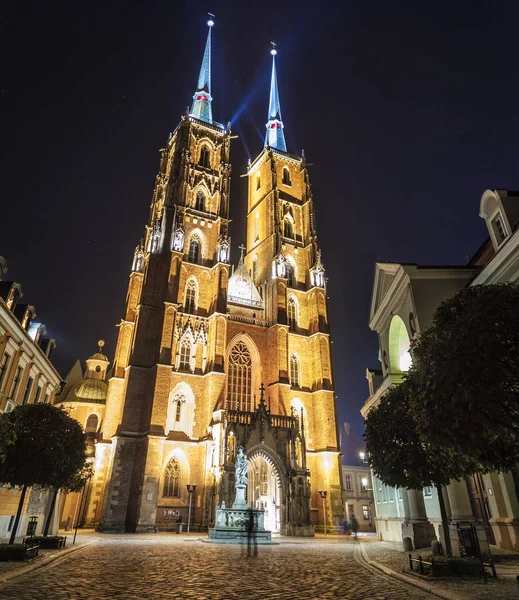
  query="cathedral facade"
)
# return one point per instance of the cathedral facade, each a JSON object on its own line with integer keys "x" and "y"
{"x": 209, "y": 358}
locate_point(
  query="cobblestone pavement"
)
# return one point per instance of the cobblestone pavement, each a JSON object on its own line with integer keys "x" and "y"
{"x": 137, "y": 567}
{"x": 391, "y": 555}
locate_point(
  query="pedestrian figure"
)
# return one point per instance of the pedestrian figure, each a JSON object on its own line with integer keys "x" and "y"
{"x": 354, "y": 526}
{"x": 346, "y": 527}
{"x": 252, "y": 545}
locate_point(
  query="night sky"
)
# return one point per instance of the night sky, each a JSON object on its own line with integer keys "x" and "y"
{"x": 406, "y": 112}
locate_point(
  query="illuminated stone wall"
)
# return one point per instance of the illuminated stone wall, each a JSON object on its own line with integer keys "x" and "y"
{"x": 140, "y": 435}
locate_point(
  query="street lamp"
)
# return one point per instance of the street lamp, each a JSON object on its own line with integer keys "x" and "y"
{"x": 191, "y": 489}
{"x": 323, "y": 495}
{"x": 365, "y": 482}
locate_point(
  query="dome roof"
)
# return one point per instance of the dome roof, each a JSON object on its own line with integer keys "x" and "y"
{"x": 99, "y": 356}
{"x": 88, "y": 390}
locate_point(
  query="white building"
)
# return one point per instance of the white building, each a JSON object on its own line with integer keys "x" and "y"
{"x": 26, "y": 376}
{"x": 405, "y": 297}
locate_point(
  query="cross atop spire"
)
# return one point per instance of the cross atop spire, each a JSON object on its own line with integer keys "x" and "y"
{"x": 275, "y": 138}
{"x": 201, "y": 108}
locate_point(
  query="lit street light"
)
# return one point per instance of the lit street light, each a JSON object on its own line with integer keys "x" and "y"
{"x": 323, "y": 495}
{"x": 191, "y": 490}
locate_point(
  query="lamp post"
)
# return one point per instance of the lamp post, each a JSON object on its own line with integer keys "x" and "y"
{"x": 191, "y": 489}
{"x": 323, "y": 495}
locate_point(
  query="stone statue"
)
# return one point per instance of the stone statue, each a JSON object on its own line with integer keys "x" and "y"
{"x": 240, "y": 467}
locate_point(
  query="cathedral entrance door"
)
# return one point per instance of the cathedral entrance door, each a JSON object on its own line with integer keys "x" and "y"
{"x": 264, "y": 491}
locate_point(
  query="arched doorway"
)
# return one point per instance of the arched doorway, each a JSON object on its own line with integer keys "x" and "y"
{"x": 264, "y": 489}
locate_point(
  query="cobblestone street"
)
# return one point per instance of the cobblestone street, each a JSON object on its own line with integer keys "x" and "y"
{"x": 164, "y": 566}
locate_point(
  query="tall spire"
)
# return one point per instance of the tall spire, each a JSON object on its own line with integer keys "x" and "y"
{"x": 201, "y": 108}
{"x": 275, "y": 138}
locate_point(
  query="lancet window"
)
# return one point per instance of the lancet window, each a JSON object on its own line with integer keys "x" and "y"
{"x": 294, "y": 371}
{"x": 289, "y": 273}
{"x": 190, "y": 296}
{"x": 205, "y": 157}
{"x": 289, "y": 229}
{"x": 172, "y": 478}
{"x": 239, "y": 386}
{"x": 286, "y": 176}
{"x": 185, "y": 354}
{"x": 200, "y": 201}
{"x": 292, "y": 312}
{"x": 255, "y": 268}
{"x": 194, "y": 250}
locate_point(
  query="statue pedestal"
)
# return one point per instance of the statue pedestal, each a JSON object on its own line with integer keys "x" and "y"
{"x": 240, "y": 501}
{"x": 231, "y": 526}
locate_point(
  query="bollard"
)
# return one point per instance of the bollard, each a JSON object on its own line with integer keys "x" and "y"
{"x": 420, "y": 563}
{"x": 411, "y": 564}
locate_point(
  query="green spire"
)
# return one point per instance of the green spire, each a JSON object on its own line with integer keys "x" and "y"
{"x": 201, "y": 108}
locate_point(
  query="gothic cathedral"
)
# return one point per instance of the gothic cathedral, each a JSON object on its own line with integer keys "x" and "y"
{"x": 209, "y": 359}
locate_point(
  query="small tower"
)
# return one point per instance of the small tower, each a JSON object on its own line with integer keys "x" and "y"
{"x": 97, "y": 364}
{"x": 275, "y": 138}
{"x": 201, "y": 107}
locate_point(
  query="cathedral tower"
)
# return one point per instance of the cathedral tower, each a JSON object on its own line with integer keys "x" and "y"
{"x": 206, "y": 361}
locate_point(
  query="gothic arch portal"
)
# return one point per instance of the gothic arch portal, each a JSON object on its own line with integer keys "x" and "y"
{"x": 265, "y": 489}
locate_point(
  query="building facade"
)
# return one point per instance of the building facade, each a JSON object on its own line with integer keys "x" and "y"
{"x": 26, "y": 377}
{"x": 84, "y": 398}
{"x": 208, "y": 359}
{"x": 358, "y": 486}
{"x": 404, "y": 300}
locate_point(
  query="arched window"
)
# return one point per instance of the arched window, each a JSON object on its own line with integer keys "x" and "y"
{"x": 294, "y": 371}
{"x": 286, "y": 176}
{"x": 194, "y": 250}
{"x": 178, "y": 406}
{"x": 239, "y": 382}
{"x": 258, "y": 181}
{"x": 205, "y": 157}
{"x": 181, "y": 410}
{"x": 289, "y": 273}
{"x": 190, "y": 296}
{"x": 399, "y": 346}
{"x": 172, "y": 477}
{"x": 185, "y": 354}
{"x": 91, "y": 424}
{"x": 200, "y": 201}
{"x": 289, "y": 229}
{"x": 292, "y": 312}
{"x": 255, "y": 268}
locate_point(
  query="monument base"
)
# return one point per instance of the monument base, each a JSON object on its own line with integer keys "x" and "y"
{"x": 231, "y": 527}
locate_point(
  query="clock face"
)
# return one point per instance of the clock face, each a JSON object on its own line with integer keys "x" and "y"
{"x": 242, "y": 287}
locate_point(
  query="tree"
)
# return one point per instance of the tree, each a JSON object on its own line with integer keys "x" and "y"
{"x": 466, "y": 374}
{"x": 6, "y": 436}
{"x": 48, "y": 449}
{"x": 401, "y": 456}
